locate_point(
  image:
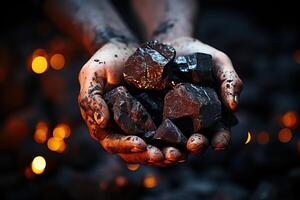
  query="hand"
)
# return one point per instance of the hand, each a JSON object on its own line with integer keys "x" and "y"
{"x": 230, "y": 86}
{"x": 98, "y": 75}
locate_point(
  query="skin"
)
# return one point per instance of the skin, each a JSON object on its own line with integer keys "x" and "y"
{"x": 177, "y": 31}
{"x": 96, "y": 25}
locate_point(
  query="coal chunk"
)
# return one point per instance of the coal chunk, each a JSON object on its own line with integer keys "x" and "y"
{"x": 128, "y": 113}
{"x": 148, "y": 67}
{"x": 201, "y": 104}
{"x": 168, "y": 133}
{"x": 194, "y": 68}
{"x": 153, "y": 104}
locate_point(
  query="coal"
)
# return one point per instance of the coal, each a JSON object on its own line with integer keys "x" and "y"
{"x": 153, "y": 104}
{"x": 194, "y": 68}
{"x": 168, "y": 133}
{"x": 128, "y": 113}
{"x": 148, "y": 67}
{"x": 201, "y": 104}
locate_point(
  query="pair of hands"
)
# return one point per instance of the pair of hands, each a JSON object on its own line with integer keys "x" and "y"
{"x": 104, "y": 70}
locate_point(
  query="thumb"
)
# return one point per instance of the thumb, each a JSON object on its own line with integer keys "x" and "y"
{"x": 92, "y": 106}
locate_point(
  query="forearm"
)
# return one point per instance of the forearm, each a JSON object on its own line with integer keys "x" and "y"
{"x": 166, "y": 19}
{"x": 91, "y": 22}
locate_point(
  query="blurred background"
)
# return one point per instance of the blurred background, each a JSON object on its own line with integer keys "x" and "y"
{"x": 47, "y": 153}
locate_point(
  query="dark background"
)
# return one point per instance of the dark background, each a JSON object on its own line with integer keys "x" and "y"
{"x": 262, "y": 39}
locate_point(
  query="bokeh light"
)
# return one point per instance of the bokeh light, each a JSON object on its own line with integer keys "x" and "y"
{"x": 41, "y": 132}
{"x": 62, "y": 131}
{"x": 285, "y": 135}
{"x": 38, "y": 164}
{"x": 150, "y": 181}
{"x": 263, "y": 137}
{"x": 290, "y": 119}
{"x": 57, "y": 61}
{"x": 39, "y": 64}
{"x": 121, "y": 181}
{"x": 56, "y": 144}
{"x": 133, "y": 167}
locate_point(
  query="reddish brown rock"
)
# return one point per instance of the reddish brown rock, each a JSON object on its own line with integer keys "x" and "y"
{"x": 128, "y": 113}
{"x": 201, "y": 104}
{"x": 147, "y": 68}
{"x": 168, "y": 133}
{"x": 194, "y": 68}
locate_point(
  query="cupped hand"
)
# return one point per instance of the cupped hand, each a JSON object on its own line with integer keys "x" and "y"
{"x": 230, "y": 89}
{"x": 102, "y": 72}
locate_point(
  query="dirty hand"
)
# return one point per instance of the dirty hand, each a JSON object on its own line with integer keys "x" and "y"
{"x": 230, "y": 89}
{"x": 98, "y": 75}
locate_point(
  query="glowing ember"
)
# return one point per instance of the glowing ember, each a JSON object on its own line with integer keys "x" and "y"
{"x": 290, "y": 119}
{"x": 263, "y": 137}
{"x": 150, "y": 181}
{"x": 285, "y": 135}
{"x": 121, "y": 181}
{"x": 57, "y": 61}
{"x": 133, "y": 167}
{"x": 62, "y": 131}
{"x": 38, "y": 165}
{"x": 39, "y": 64}
{"x": 41, "y": 131}
{"x": 56, "y": 144}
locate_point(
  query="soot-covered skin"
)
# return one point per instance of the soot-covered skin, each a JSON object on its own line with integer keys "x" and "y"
{"x": 128, "y": 113}
{"x": 147, "y": 68}
{"x": 186, "y": 100}
{"x": 194, "y": 68}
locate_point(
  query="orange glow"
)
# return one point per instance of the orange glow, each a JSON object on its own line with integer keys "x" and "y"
{"x": 29, "y": 173}
{"x": 150, "y": 181}
{"x": 62, "y": 131}
{"x": 56, "y": 144}
{"x": 263, "y": 137}
{"x": 39, "y": 64}
{"x": 38, "y": 165}
{"x": 133, "y": 167}
{"x": 39, "y": 52}
{"x": 290, "y": 119}
{"x": 297, "y": 56}
{"x": 121, "y": 181}
{"x": 57, "y": 61}
{"x": 41, "y": 131}
{"x": 285, "y": 135}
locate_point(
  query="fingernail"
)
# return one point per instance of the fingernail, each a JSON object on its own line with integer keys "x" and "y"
{"x": 233, "y": 103}
{"x": 236, "y": 99}
{"x": 98, "y": 117}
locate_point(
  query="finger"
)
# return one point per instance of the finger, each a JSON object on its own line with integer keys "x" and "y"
{"x": 197, "y": 143}
{"x": 173, "y": 155}
{"x": 116, "y": 143}
{"x": 231, "y": 84}
{"x": 150, "y": 156}
{"x": 221, "y": 138}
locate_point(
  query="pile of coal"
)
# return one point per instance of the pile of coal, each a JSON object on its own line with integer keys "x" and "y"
{"x": 166, "y": 98}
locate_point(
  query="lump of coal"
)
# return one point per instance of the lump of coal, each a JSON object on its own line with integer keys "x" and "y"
{"x": 201, "y": 104}
{"x": 168, "y": 133}
{"x": 195, "y": 68}
{"x": 145, "y": 69}
{"x": 153, "y": 104}
{"x": 128, "y": 113}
